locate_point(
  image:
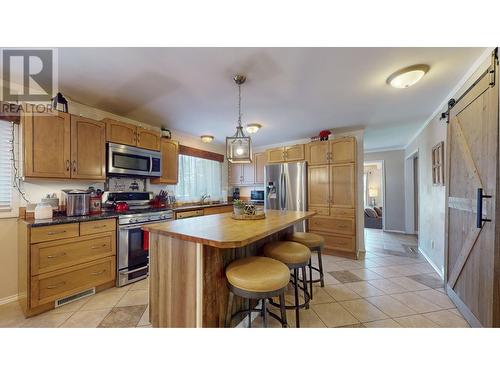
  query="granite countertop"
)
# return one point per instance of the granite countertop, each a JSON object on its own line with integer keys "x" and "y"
{"x": 63, "y": 219}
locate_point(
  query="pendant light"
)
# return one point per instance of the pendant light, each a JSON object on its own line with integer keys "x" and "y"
{"x": 239, "y": 146}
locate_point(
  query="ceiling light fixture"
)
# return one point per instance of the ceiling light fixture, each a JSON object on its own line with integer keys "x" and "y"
{"x": 207, "y": 138}
{"x": 253, "y": 128}
{"x": 239, "y": 146}
{"x": 408, "y": 76}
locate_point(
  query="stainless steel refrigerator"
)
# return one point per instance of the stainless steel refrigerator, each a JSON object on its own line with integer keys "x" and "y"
{"x": 286, "y": 188}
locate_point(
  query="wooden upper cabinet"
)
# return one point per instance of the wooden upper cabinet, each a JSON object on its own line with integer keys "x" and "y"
{"x": 342, "y": 185}
{"x": 259, "y": 164}
{"x": 121, "y": 132}
{"x": 294, "y": 153}
{"x": 343, "y": 150}
{"x": 319, "y": 188}
{"x": 317, "y": 153}
{"x": 235, "y": 176}
{"x": 284, "y": 154}
{"x": 149, "y": 139}
{"x": 88, "y": 149}
{"x": 47, "y": 143}
{"x": 276, "y": 155}
{"x": 248, "y": 174}
{"x": 170, "y": 162}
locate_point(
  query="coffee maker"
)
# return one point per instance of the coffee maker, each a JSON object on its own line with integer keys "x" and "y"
{"x": 236, "y": 193}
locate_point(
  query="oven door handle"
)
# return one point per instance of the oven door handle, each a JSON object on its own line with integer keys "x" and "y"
{"x": 132, "y": 271}
{"x": 150, "y": 164}
{"x": 132, "y": 226}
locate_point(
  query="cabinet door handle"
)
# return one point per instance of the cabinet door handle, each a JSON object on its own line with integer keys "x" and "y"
{"x": 98, "y": 246}
{"x": 342, "y": 226}
{"x": 99, "y": 226}
{"x": 67, "y": 165}
{"x": 97, "y": 273}
{"x": 56, "y": 232}
{"x": 74, "y": 165}
{"x": 56, "y": 256}
{"x": 55, "y": 286}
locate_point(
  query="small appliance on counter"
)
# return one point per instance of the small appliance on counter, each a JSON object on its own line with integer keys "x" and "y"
{"x": 43, "y": 211}
{"x": 236, "y": 193}
{"x": 257, "y": 196}
{"x": 77, "y": 202}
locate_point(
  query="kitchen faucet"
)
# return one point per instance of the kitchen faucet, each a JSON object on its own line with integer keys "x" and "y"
{"x": 204, "y": 196}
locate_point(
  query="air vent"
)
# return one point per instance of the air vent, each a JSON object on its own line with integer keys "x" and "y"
{"x": 74, "y": 297}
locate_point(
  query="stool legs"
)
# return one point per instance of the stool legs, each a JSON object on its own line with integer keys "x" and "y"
{"x": 311, "y": 278}
{"x": 304, "y": 281}
{"x": 320, "y": 266}
{"x": 296, "y": 289}
{"x": 264, "y": 311}
{"x": 284, "y": 323}
{"x": 229, "y": 309}
{"x": 249, "y": 313}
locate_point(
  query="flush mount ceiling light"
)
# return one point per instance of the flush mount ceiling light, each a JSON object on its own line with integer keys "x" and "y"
{"x": 239, "y": 146}
{"x": 408, "y": 76}
{"x": 253, "y": 128}
{"x": 207, "y": 138}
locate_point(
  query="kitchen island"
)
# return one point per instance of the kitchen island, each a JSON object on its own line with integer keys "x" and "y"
{"x": 187, "y": 259}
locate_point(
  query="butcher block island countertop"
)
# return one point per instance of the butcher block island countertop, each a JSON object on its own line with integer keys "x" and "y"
{"x": 187, "y": 261}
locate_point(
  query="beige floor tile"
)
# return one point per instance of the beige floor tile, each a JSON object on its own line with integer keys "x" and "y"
{"x": 329, "y": 279}
{"x": 437, "y": 298}
{"x": 140, "y": 285}
{"x": 320, "y": 296}
{"x": 416, "y": 321}
{"x": 366, "y": 274}
{"x": 416, "y": 302}
{"x": 386, "y": 271}
{"x": 409, "y": 284}
{"x": 349, "y": 265}
{"x": 134, "y": 297}
{"x": 364, "y": 289}
{"x": 456, "y": 312}
{"x": 144, "y": 321}
{"x": 308, "y": 319}
{"x": 121, "y": 317}
{"x": 387, "y": 286}
{"x": 391, "y": 306}
{"x": 11, "y": 315}
{"x": 46, "y": 320}
{"x": 341, "y": 292}
{"x": 86, "y": 319}
{"x": 445, "y": 318}
{"x": 363, "y": 310}
{"x": 334, "y": 315}
{"x": 328, "y": 267}
{"x": 105, "y": 299}
{"x": 386, "y": 323}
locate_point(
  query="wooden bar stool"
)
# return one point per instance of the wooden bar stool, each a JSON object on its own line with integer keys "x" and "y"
{"x": 296, "y": 256}
{"x": 257, "y": 278}
{"x": 315, "y": 243}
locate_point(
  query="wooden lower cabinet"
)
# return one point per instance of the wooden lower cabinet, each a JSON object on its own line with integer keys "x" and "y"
{"x": 336, "y": 244}
{"x": 344, "y": 226}
{"x": 217, "y": 210}
{"x": 58, "y": 261}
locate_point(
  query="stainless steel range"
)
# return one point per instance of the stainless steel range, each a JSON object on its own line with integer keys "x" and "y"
{"x": 133, "y": 243}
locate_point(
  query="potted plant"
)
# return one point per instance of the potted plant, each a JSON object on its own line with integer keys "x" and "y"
{"x": 238, "y": 207}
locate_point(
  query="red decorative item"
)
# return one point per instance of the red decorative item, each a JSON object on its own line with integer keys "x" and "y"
{"x": 145, "y": 240}
{"x": 121, "y": 206}
{"x": 323, "y": 135}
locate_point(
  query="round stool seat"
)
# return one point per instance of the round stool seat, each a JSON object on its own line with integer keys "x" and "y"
{"x": 287, "y": 252}
{"x": 258, "y": 274}
{"x": 308, "y": 239}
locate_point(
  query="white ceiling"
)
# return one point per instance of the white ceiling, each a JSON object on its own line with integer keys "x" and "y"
{"x": 293, "y": 92}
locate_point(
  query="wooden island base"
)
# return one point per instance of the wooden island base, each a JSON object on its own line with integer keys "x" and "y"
{"x": 188, "y": 286}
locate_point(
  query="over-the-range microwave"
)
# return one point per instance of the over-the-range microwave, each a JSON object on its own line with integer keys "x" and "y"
{"x": 129, "y": 160}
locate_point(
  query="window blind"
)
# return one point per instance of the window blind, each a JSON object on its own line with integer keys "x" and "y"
{"x": 5, "y": 165}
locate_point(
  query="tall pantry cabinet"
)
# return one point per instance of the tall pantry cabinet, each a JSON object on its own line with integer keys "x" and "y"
{"x": 332, "y": 193}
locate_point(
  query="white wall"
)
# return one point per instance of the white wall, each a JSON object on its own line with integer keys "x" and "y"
{"x": 394, "y": 196}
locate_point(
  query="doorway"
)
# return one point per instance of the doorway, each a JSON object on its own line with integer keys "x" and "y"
{"x": 412, "y": 196}
{"x": 374, "y": 194}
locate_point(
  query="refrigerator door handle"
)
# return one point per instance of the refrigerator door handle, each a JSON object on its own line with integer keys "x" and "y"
{"x": 283, "y": 191}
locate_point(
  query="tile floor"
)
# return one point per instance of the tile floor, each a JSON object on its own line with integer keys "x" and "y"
{"x": 392, "y": 287}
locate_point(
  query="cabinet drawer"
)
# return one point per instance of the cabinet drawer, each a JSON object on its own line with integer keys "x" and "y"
{"x": 54, "y": 255}
{"x": 338, "y": 243}
{"x": 333, "y": 225}
{"x": 344, "y": 212}
{"x": 217, "y": 210}
{"x": 98, "y": 226}
{"x": 54, "y": 285}
{"x": 186, "y": 214}
{"x": 325, "y": 211}
{"x": 54, "y": 232}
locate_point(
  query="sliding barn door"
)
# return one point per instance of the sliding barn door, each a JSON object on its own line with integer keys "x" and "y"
{"x": 472, "y": 198}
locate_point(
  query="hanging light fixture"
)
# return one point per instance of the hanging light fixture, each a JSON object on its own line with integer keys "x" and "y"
{"x": 239, "y": 146}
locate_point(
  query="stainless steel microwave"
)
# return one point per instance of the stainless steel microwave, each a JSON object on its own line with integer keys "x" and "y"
{"x": 129, "y": 160}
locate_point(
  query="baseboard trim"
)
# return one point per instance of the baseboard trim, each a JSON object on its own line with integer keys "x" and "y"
{"x": 395, "y": 231}
{"x": 464, "y": 310}
{"x": 9, "y": 299}
{"x": 436, "y": 268}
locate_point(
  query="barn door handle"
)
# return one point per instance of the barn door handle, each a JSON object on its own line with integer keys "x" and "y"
{"x": 479, "y": 214}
